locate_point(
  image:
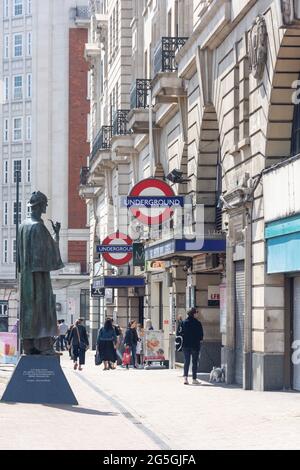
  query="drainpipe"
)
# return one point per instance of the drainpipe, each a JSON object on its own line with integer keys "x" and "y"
{"x": 248, "y": 378}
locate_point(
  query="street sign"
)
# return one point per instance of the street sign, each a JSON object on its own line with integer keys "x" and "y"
{"x": 116, "y": 249}
{"x": 97, "y": 292}
{"x": 156, "y": 201}
{"x": 138, "y": 254}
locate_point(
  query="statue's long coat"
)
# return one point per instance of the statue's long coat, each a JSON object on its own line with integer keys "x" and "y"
{"x": 38, "y": 254}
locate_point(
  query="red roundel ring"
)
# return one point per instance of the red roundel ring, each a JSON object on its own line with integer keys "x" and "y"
{"x": 117, "y": 261}
{"x": 152, "y": 183}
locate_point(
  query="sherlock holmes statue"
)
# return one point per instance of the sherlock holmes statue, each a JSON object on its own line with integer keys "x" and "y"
{"x": 38, "y": 255}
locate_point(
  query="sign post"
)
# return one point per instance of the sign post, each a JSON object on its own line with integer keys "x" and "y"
{"x": 116, "y": 249}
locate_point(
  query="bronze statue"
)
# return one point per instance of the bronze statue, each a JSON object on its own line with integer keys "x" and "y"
{"x": 38, "y": 255}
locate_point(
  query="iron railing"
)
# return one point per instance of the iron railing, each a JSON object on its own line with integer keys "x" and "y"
{"x": 165, "y": 52}
{"x": 102, "y": 141}
{"x": 83, "y": 12}
{"x": 84, "y": 175}
{"x": 139, "y": 95}
{"x": 120, "y": 122}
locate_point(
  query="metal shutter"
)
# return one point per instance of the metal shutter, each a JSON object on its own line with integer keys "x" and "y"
{"x": 296, "y": 330}
{"x": 239, "y": 320}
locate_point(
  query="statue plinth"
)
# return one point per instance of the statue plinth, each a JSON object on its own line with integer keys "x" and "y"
{"x": 39, "y": 379}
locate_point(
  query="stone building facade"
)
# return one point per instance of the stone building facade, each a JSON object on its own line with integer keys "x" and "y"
{"x": 214, "y": 115}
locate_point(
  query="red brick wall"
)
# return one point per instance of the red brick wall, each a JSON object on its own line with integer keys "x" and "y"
{"x": 79, "y": 108}
{"x": 77, "y": 253}
{"x": 79, "y": 148}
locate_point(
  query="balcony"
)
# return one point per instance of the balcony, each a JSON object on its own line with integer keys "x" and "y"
{"x": 82, "y": 16}
{"x": 123, "y": 140}
{"x": 138, "y": 117}
{"x": 101, "y": 146}
{"x": 165, "y": 52}
{"x": 140, "y": 93}
{"x": 91, "y": 51}
{"x": 84, "y": 175}
{"x": 167, "y": 88}
{"x": 86, "y": 190}
{"x": 120, "y": 123}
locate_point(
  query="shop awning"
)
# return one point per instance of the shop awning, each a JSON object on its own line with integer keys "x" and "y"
{"x": 283, "y": 245}
{"x": 182, "y": 247}
{"x": 115, "y": 282}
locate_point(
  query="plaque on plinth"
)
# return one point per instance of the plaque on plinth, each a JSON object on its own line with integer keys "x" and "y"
{"x": 39, "y": 379}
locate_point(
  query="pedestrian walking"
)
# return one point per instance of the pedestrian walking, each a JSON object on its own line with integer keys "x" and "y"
{"x": 62, "y": 328}
{"x": 192, "y": 333}
{"x": 79, "y": 343}
{"x": 106, "y": 343}
{"x": 131, "y": 340}
{"x": 140, "y": 345}
{"x": 118, "y": 332}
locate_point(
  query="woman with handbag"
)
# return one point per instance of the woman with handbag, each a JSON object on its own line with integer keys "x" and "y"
{"x": 79, "y": 342}
{"x": 106, "y": 344}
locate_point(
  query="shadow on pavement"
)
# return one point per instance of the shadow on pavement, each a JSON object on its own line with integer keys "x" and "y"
{"x": 78, "y": 409}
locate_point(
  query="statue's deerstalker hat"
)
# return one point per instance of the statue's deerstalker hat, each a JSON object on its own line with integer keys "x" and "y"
{"x": 37, "y": 198}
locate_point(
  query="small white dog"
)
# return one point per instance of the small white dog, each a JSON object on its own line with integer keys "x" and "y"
{"x": 217, "y": 375}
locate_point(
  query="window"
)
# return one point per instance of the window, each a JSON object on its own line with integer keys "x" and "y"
{"x": 6, "y": 88}
{"x": 5, "y": 213}
{"x": 28, "y": 214}
{"x": 5, "y": 251}
{"x": 29, "y": 85}
{"x": 18, "y": 7}
{"x": 29, "y": 44}
{"x": 6, "y": 9}
{"x": 14, "y": 251}
{"x": 28, "y": 170}
{"x": 17, "y": 168}
{"x": 6, "y": 130}
{"x": 19, "y": 213}
{"x": 18, "y": 87}
{"x": 28, "y": 128}
{"x": 6, "y": 46}
{"x": 17, "y": 129}
{"x": 18, "y": 45}
{"x": 5, "y": 172}
{"x": 3, "y": 308}
{"x": 29, "y": 7}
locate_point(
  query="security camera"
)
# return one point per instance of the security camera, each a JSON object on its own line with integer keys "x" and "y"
{"x": 176, "y": 176}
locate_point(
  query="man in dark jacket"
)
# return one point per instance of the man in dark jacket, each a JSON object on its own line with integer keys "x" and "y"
{"x": 131, "y": 340}
{"x": 192, "y": 336}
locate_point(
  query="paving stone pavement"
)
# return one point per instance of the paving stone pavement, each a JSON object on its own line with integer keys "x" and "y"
{"x": 151, "y": 409}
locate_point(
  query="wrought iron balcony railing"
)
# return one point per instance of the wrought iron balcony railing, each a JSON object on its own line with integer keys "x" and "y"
{"x": 139, "y": 95}
{"x": 83, "y": 12}
{"x": 120, "y": 122}
{"x": 164, "y": 54}
{"x": 102, "y": 141}
{"x": 84, "y": 175}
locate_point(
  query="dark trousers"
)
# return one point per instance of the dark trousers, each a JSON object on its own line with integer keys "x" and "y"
{"x": 79, "y": 353}
{"x": 133, "y": 352}
{"x": 62, "y": 342}
{"x": 188, "y": 352}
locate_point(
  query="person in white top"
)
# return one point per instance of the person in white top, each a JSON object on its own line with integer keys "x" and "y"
{"x": 63, "y": 328}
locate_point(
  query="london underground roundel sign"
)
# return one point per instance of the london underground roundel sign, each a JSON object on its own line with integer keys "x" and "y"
{"x": 116, "y": 249}
{"x": 153, "y": 204}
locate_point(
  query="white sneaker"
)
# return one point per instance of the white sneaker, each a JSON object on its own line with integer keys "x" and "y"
{"x": 196, "y": 382}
